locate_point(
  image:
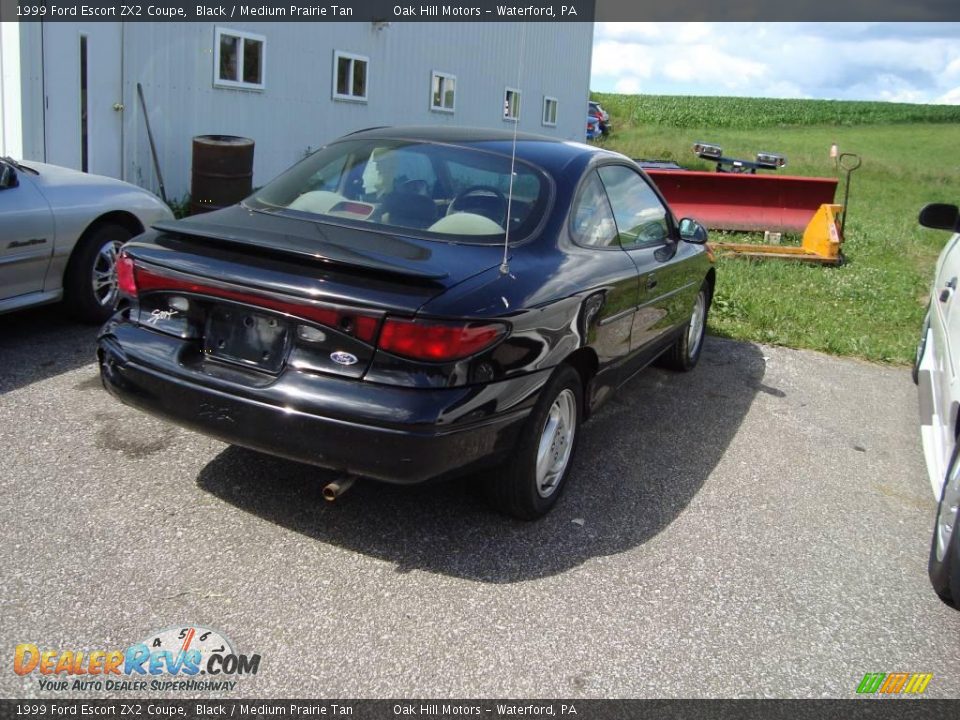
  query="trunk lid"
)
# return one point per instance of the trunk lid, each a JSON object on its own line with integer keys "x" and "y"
{"x": 259, "y": 292}
{"x": 370, "y": 253}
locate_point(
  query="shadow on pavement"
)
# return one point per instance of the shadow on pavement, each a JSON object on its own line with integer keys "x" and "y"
{"x": 640, "y": 462}
{"x": 40, "y": 343}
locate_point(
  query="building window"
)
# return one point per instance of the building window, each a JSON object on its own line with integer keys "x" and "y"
{"x": 511, "y": 104}
{"x": 349, "y": 76}
{"x": 443, "y": 92}
{"x": 550, "y": 111}
{"x": 239, "y": 59}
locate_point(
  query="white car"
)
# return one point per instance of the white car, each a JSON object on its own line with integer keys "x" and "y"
{"x": 936, "y": 373}
{"x": 59, "y": 234}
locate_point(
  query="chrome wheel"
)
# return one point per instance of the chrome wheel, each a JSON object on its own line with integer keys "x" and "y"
{"x": 556, "y": 442}
{"x": 695, "y": 330}
{"x": 947, "y": 517}
{"x": 103, "y": 277}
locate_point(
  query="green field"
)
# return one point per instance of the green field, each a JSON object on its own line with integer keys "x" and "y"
{"x": 870, "y": 307}
{"x": 741, "y": 113}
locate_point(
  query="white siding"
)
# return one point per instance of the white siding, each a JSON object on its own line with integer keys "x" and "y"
{"x": 295, "y": 113}
{"x": 21, "y": 91}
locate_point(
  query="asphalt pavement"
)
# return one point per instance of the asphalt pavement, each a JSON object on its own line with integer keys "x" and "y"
{"x": 756, "y": 528}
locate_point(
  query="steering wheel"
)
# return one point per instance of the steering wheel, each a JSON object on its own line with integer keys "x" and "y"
{"x": 479, "y": 208}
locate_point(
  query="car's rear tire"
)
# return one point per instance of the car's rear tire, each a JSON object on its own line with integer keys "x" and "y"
{"x": 90, "y": 283}
{"x": 944, "y": 565}
{"x": 528, "y": 485}
{"x": 684, "y": 354}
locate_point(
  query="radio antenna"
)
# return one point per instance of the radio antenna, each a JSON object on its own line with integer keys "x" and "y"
{"x": 504, "y": 267}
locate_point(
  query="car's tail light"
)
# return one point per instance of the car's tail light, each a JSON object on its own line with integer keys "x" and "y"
{"x": 352, "y": 322}
{"x": 437, "y": 341}
{"x": 126, "y": 281}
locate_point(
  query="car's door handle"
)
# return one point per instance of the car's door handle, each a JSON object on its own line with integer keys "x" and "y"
{"x": 651, "y": 282}
{"x": 948, "y": 289}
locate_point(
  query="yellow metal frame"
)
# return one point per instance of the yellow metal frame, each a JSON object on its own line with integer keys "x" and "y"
{"x": 821, "y": 242}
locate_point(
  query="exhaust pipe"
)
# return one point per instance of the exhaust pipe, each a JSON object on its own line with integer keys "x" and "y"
{"x": 333, "y": 490}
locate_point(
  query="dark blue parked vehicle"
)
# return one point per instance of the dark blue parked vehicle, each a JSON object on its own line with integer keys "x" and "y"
{"x": 410, "y": 303}
{"x": 603, "y": 117}
{"x": 593, "y": 128}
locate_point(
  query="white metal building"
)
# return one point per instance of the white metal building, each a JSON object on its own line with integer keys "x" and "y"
{"x": 68, "y": 90}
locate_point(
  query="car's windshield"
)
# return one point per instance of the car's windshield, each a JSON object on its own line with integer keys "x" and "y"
{"x": 436, "y": 190}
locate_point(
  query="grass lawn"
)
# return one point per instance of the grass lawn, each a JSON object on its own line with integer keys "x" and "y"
{"x": 871, "y": 307}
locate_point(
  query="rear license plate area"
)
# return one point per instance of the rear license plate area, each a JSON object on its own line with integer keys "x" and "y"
{"x": 245, "y": 337}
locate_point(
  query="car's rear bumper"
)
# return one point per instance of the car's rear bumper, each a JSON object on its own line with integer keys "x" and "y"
{"x": 394, "y": 434}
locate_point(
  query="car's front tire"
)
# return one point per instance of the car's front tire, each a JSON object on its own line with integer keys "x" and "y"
{"x": 944, "y": 565}
{"x": 528, "y": 485}
{"x": 90, "y": 284}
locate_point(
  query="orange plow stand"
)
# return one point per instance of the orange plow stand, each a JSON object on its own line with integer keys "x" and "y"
{"x": 821, "y": 242}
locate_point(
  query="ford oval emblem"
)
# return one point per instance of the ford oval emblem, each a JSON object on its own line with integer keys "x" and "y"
{"x": 343, "y": 358}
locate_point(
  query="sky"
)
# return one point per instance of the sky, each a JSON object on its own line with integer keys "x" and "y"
{"x": 897, "y": 62}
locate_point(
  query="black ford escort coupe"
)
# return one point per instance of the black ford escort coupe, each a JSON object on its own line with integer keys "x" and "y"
{"x": 410, "y": 303}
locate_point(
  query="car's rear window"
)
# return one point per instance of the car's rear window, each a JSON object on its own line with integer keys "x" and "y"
{"x": 431, "y": 189}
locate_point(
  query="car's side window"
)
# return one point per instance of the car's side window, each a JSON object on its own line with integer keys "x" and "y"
{"x": 641, "y": 218}
{"x": 592, "y": 221}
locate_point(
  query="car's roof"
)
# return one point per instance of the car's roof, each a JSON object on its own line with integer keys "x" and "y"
{"x": 553, "y": 154}
{"x": 457, "y": 135}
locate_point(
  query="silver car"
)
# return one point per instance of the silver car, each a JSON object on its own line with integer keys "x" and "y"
{"x": 59, "y": 234}
{"x": 936, "y": 371}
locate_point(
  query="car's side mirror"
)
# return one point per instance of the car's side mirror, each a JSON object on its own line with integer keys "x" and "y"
{"x": 940, "y": 216}
{"x": 692, "y": 232}
{"x": 8, "y": 177}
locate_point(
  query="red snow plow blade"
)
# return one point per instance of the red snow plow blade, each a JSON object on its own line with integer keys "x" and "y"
{"x": 744, "y": 201}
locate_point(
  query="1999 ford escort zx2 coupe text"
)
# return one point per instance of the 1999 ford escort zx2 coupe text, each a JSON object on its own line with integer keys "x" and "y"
{"x": 360, "y": 312}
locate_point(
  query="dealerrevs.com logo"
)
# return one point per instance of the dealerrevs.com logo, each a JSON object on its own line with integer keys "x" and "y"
{"x": 188, "y": 658}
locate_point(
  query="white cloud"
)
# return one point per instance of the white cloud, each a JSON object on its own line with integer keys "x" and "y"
{"x": 632, "y": 30}
{"x": 667, "y": 33}
{"x": 617, "y": 59}
{"x": 692, "y": 32}
{"x": 953, "y": 69}
{"x": 628, "y": 86}
{"x": 951, "y": 97}
{"x": 908, "y": 62}
{"x": 706, "y": 64}
{"x": 783, "y": 89}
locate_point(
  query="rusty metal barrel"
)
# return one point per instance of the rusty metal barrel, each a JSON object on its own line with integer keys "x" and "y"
{"x": 222, "y": 172}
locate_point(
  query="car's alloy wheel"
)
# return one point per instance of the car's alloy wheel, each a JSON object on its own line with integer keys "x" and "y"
{"x": 947, "y": 514}
{"x": 528, "y": 484}
{"x": 556, "y": 443}
{"x": 90, "y": 283}
{"x": 104, "y": 275}
{"x": 684, "y": 354}
{"x": 697, "y": 326}
{"x": 944, "y": 565}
